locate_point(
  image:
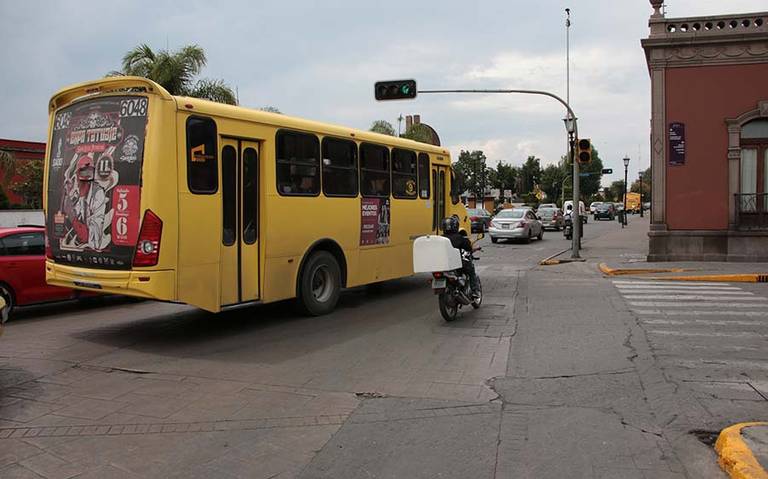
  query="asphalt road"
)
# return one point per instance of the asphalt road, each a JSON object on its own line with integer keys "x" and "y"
{"x": 557, "y": 375}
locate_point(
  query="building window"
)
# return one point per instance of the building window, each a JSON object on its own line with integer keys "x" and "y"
{"x": 202, "y": 167}
{"x": 753, "y": 184}
{"x": 374, "y": 170}
{"x": 339, "y": 167}
{"x": 298, "y": 164}
{"x": 404, "y": 174}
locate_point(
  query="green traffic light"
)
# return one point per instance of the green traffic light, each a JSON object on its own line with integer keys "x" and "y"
{"x": 405, "y": 89}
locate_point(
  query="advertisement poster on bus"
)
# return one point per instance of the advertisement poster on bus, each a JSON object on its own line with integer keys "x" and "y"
{"x": 94, "y": 179}
{"x": 374, "y": 221}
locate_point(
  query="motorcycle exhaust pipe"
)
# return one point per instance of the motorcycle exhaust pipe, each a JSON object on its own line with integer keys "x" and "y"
{"x": 463, "y": 299}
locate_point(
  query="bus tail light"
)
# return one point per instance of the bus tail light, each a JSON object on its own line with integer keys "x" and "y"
{"x": 148, "y": 244}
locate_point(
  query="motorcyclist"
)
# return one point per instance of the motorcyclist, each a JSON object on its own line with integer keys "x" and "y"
{"x": 450, "y": 227}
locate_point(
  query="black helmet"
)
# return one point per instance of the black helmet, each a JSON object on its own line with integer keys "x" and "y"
{"x": 450, "y": 225}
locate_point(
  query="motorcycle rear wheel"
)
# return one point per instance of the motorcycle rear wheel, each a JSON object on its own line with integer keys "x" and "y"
{"x": 449, "y": 313}
{"x": 477, "y": 302}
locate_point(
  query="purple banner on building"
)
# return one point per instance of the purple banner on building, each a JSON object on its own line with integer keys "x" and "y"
{"x": 374, "y": 221}
{"x": 676, "y": 144}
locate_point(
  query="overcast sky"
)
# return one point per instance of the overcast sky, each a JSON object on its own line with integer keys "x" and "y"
{"x": 320, "y": 59}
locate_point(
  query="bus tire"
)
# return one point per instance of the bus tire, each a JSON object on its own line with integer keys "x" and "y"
{"x": 319, "y": 284}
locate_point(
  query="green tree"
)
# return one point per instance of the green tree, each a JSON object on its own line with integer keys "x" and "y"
{"x": 382, "y": 126}
{"x": 270, "y": 109}
{"x": 473, "y": 172}
{"x": 30, "y": 186}
{"x": 504, "y": 177}
{"x": 646, "y": 180}
{"x": 530, "y": 174}
{"x": 176, "y": 72}
{"x": 552, "y": 181}
{"x": 616, "y": 190}
{"x": 418, "y": 132}
{"x": 5, "y": 203}
{"x": 7, "y": 167}
{"x": 589, "y": 186}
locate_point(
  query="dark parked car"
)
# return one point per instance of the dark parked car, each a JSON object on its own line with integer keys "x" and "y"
{"x": 605, "y": 210}
{"x": 480, "y": 218}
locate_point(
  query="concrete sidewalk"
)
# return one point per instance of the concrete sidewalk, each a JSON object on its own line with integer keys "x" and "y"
{"x": 742, "y": 448}
{"x": 627, "y": 248}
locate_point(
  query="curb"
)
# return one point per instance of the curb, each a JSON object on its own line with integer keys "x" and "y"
{"x": 735, "y": 457}
{"x": 619, "y": 271}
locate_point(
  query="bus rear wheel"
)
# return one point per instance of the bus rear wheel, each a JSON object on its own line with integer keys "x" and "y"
{"x": 320, "y": 284}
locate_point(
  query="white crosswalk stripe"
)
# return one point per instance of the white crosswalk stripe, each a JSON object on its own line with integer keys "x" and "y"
{"x": 702, "y": 329}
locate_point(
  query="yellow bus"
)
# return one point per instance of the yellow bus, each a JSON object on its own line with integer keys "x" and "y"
{"x": 185, "y": 200}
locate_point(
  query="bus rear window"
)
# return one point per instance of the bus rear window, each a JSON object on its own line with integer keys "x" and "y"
{"x": 94, "y": 181}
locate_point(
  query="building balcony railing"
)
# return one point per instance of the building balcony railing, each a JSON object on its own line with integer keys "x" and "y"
{"x": 751, "y": 211}
{"x": 697, "y": 27}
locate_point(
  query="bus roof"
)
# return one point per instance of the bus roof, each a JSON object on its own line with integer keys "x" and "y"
{"x": 199, "y": 105}
{"x": 110, "y": 85}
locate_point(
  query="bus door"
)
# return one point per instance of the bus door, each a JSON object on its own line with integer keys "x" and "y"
{"x": 438, "y": 196}
{"x": 240, "y": 220}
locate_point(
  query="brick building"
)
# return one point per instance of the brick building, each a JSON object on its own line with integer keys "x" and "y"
{"x": 22, "y": 151}
{"x": 709, "y": 137}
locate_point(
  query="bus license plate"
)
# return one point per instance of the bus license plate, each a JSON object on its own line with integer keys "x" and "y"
{"x": 438, "y": 283}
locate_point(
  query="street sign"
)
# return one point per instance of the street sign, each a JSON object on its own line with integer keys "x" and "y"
{"x": 607, "y": 171}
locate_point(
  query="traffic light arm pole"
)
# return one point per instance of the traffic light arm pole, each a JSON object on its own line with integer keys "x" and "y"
{"x": 528, "y": 92}
{"x": 576, "y": 215}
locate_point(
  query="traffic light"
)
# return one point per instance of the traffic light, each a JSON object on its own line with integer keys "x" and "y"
{"x": 584, "y": 151}
{"x": 395, "y": 89}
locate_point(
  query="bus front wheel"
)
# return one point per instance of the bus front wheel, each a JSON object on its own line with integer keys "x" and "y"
{"x": 320, "y": 284}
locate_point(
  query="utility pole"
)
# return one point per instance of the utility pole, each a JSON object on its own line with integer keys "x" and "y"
{"x": 572, "y": 138}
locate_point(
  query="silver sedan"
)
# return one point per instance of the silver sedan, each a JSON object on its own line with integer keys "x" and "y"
{"x": 517, "y": 223}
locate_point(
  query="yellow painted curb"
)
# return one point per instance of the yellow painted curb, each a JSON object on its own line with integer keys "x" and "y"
{"x": 619, "y": 272}
{"x": 721, "y": 278}
{"x": 735, "y": 457}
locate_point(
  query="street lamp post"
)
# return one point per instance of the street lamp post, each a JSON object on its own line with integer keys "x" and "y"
{"x": 641, "y": 194}
{"x": 626, "y": 166}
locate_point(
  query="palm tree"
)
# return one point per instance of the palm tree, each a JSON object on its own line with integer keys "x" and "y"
{"x": 176, "y": 71}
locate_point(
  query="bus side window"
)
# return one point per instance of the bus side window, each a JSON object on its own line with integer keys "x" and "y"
{"x": 374, "y": 170}
{"x": 298, "y": 164}
{"x": 454, "y": 189}
{"x": 202, "y": 167}
{"x": 339, "y": 167}
{"x": 424, "y": 176}
{"x": 404, "y": 174}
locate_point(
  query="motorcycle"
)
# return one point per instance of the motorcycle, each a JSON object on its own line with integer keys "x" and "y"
{"x": 568, "y": 228}
{"x": 436, "y": 255}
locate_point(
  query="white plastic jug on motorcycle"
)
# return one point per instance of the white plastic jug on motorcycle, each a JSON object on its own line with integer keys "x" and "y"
{"x": 452, "y": 271}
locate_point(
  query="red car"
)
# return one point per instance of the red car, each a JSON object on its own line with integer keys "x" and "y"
{"x": 22, "y": 268}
